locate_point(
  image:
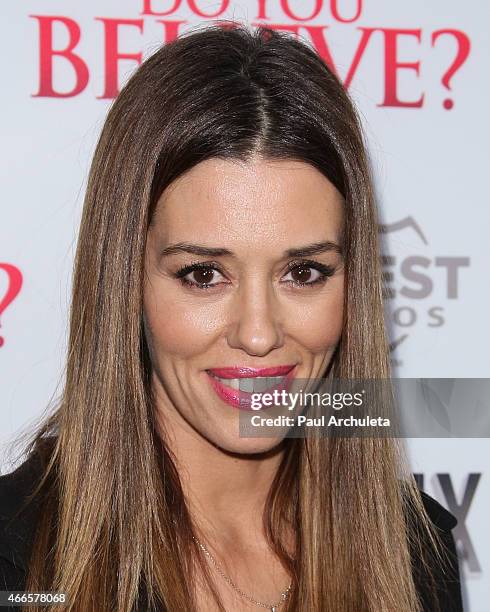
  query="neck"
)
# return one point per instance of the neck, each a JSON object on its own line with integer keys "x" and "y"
{"x": 226, "y": 492}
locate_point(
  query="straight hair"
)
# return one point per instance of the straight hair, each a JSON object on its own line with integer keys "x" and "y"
{"x": 114, "y": 522}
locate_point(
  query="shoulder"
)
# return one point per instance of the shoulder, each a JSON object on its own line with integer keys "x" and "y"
{"x": 18, "y": 520}
{"x": 434, "y": 573}
{"x": 439, "y": 516}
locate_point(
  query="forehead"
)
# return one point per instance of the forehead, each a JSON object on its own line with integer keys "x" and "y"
{"x": 249, "y": 203}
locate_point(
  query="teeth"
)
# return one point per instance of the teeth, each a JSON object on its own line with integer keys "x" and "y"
{"x": 234, "y": 383}
{"x": 266, "y": 382}
{"x": 256, "y": 384}
{"x": 247, "y": 384}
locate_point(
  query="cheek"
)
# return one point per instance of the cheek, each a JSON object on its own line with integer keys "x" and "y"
{"x": 317, "y": 324}
{"x": 178, "y": 326}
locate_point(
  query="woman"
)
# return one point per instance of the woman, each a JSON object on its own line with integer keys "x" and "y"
{"x": 229, "y": 231}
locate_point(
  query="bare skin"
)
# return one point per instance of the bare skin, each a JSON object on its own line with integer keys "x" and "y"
{"x": 253, "y": 313}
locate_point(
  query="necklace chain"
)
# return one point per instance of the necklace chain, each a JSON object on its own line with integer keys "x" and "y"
{"x": 273, "y": 607}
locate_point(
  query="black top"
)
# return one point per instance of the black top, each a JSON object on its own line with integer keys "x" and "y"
{"x": 17, "y": 532}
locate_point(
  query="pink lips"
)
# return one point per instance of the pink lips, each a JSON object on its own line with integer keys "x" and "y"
{"x": 242, "y": 399}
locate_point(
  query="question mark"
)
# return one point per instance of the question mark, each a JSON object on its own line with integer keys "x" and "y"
{"x": 15, "y": 283}
{"x": 463, "y": 52}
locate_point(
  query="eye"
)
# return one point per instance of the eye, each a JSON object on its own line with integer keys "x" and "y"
{"x": 307, "y": 273}
{"x": 201, "y": 276}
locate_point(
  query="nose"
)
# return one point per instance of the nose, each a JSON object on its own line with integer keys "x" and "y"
{"x": 256, "y": 327}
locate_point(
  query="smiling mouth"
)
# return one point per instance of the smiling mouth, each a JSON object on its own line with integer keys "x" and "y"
{"x": 238, "y": 391}
{"x": 254, "y": 384}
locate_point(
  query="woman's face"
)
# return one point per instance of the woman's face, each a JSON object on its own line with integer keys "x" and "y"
{"x": 241, "y": 273}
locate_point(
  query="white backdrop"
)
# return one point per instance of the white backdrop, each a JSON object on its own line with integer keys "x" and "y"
{"x": 419, "y": 73}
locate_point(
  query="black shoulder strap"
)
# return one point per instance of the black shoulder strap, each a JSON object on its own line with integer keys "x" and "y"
{"x": 441, "y": 517}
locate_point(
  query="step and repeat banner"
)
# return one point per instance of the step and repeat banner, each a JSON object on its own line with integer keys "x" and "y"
{"x": 419, "y": 73}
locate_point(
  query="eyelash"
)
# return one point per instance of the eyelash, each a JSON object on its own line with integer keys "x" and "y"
{"x": 326, "y": 271}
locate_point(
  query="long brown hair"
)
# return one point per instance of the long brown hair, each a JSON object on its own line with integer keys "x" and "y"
{"x": 115, "y": 522}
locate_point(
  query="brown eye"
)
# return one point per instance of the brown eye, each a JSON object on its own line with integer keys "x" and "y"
{"x": 304, "y": 275}
{"x": 301, "y": 275}
{"x": 200, "y": 276}
{"x": 204, "y": 276}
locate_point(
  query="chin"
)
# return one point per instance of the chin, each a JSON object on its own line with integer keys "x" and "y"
{"x": 248, "y": 446}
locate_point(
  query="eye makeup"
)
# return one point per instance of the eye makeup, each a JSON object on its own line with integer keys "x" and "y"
{"x": 205, "y": 273}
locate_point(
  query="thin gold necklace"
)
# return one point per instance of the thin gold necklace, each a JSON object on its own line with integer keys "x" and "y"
{"x": 273, "y": 607}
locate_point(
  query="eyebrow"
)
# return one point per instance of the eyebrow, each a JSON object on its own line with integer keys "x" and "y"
{"x": 314, "y": 249}
{"x": 197, "y": 249}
